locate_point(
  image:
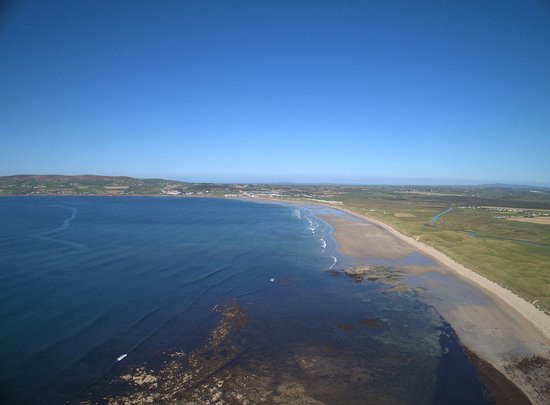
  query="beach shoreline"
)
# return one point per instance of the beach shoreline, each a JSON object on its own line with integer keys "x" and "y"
{"x": 537, "y": 317}
{"x": 494, "y": 324}
{"x": 529, "y": 311}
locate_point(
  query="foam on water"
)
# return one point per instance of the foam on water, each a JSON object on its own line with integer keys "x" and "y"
{"x": 65, "y": 225}
{"x": 318, "y": 228}
{"x": 323, "y": 244}
{"x": 312, "y": 225}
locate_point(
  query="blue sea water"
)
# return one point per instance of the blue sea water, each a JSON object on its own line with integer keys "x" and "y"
{"x": 84, "y": 280}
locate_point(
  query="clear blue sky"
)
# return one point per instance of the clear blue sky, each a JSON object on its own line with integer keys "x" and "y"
{"x": 351, "y": 91}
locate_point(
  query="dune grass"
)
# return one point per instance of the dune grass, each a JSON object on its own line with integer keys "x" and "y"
{"x": 472, "y": 237}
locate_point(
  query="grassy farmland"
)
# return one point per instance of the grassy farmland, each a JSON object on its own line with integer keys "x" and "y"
{"x": 514, "y": 254}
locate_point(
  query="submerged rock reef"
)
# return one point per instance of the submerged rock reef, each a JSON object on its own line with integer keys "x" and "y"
{"x": 229, "y": 368}
{"x": 359, "y": 359}
{"x": 184, "y": 376}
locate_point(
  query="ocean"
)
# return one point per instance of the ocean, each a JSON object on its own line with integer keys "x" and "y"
{"x": 94, "y": 288}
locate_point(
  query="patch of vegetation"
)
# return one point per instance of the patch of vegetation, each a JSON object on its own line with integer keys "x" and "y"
{"x": 514, "y": 254}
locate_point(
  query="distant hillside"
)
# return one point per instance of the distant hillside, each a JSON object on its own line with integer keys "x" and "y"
{"x": 516, "y": 186}
{"x": 54, "y": 184}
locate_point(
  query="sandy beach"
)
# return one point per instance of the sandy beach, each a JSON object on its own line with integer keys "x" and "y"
{"x": 495, "y": 325}
{"x": 492, "y": 322}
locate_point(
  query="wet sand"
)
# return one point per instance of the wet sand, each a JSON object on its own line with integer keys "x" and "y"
{"x": 495, "y": 326}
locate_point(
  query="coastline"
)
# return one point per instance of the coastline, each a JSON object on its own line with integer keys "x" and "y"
{"x": 490, "y": 327}
{"x": 537, "y": 317}
{"x": 495, "y": 325}
{"x": 527, "y": 310}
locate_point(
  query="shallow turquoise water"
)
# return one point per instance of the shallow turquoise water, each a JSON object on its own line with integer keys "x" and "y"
{"x": 84, "y": 280}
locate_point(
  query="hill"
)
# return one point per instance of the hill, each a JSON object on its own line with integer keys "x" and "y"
{"x": 54, "y": 184}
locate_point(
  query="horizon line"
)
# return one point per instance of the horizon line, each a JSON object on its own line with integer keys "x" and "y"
{"x": 397, "y": 182}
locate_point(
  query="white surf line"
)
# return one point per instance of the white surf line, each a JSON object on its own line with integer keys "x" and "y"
{"x": 323, "y": 244}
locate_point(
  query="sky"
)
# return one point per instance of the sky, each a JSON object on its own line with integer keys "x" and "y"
{"x": 420, "y": 92}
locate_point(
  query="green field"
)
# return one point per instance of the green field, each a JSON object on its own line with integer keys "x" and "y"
{"x": 514, "y": 254}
